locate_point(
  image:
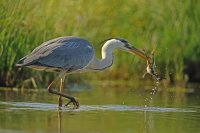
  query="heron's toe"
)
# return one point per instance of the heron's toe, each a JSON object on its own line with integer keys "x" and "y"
{"x": 75, "y": 103}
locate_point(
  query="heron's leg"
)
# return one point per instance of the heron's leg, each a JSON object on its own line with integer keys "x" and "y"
{"x": 72, "y": 99}
{"x": 61, "y": 89}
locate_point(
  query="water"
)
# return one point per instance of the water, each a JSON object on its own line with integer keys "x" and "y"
{"x": 103, "y": 108}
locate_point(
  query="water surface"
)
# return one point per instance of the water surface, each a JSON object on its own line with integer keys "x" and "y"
{"x": 103, "y": 109}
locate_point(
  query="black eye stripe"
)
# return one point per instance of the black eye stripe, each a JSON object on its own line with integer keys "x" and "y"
{"x": 122, "y": 40}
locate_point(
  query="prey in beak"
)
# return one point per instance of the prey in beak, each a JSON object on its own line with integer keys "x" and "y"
{"x": 137, "y": 52}
{"x": 151, "y": 66}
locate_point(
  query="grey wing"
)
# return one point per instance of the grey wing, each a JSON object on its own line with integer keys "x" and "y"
{"x": 70, "y": 53}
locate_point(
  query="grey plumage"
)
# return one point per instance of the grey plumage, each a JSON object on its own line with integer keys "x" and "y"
{"x": 73, "y": 54}
{"x": 65, "y": 53}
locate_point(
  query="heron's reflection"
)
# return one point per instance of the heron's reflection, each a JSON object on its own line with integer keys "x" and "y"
{"x": 59, "y": 120}
{"x": 148, "y": 123}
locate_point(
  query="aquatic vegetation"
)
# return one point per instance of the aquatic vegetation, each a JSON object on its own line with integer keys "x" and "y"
{"x": 170, "y": 27}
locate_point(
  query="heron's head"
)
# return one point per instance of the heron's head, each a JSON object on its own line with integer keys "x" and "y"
{"x": 126, "y": 46}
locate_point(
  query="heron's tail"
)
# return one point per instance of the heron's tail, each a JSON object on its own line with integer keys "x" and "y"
{"x": 20, "y": 63}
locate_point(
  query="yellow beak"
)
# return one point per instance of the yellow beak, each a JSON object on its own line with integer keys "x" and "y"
{"x": 136, "y": 51}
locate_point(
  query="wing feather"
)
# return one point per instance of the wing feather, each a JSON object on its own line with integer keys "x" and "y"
{"x": 70, "y": 53}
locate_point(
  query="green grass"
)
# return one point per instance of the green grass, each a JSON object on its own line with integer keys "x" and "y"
{"x": 170, "y": 27}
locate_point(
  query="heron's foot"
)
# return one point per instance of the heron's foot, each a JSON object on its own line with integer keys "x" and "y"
{"x": 74, "y": 101}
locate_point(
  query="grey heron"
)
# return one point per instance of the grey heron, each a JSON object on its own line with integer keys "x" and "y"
{"x": 71, "y": 54}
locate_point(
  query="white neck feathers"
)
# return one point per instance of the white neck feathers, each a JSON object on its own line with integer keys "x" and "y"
{"x": 107, "y": 57}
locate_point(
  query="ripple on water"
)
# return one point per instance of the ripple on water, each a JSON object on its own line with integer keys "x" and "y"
{"x": 53, "y": 107}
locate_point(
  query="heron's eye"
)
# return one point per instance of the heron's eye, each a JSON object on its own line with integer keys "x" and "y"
{"x": 124, "y": 41}
{"x": 127, "y": 45}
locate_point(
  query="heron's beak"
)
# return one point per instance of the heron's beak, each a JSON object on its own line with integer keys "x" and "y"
{"x": 136, "y": 51}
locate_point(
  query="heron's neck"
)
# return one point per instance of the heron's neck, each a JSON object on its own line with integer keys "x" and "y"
{"x": 107, "y": 58}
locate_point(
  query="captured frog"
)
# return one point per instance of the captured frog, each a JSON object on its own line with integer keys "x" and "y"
{"x": 151, "y": 66}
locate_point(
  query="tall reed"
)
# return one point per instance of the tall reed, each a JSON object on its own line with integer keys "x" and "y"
{"x": 170, "y": 27}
